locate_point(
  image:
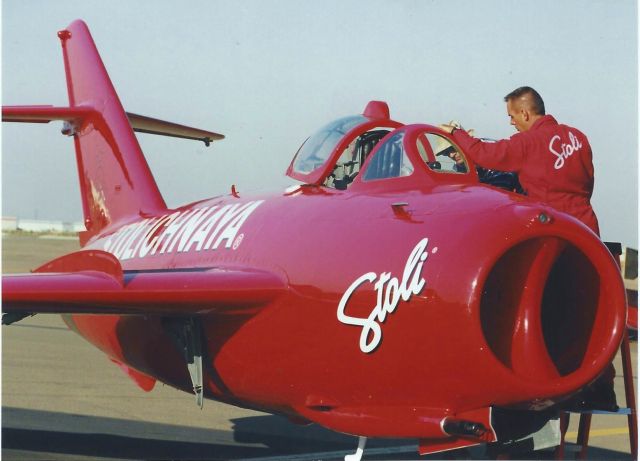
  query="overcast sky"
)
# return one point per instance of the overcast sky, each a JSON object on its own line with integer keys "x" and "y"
{"x": 269, "y": 73}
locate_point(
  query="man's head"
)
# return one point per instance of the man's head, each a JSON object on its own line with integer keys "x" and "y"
{"x": 524, "y": 107}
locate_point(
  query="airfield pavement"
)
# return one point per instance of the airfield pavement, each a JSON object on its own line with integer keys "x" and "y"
{"x": 62, "y": 399}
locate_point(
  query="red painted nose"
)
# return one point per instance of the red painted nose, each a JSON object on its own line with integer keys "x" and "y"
{"x": 553, "y": 313}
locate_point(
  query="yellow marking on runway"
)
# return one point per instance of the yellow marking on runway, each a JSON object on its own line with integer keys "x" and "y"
{"x": 602, "y": 432}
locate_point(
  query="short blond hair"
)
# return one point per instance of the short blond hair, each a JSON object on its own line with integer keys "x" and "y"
{"x": 535, "y": 100}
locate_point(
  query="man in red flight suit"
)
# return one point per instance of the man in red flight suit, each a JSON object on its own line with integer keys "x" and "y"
{"x": 553, "y": 161}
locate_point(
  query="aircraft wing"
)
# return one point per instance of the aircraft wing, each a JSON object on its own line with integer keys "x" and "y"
{"x": 92, "y": 282}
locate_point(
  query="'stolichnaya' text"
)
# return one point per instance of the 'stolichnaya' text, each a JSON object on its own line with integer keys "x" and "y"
{"x": 389, "y": 292}
{"x": 197, "y": 229}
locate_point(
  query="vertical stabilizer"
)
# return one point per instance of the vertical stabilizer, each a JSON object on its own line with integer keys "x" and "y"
{"x": 115, "y": 180}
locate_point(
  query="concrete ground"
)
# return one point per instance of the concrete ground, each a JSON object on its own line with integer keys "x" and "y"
{"x": 62, "y": 399}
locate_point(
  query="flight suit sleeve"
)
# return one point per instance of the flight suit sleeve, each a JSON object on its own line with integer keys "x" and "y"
{"x": 504, "y": 155}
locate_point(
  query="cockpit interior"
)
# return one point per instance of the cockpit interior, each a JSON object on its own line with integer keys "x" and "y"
{"x": 372, "y": 147}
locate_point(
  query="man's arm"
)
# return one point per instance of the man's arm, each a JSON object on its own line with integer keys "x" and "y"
{"x": 504, "y": 155}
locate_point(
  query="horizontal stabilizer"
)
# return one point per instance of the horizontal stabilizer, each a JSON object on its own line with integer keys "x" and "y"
{"x": 45, "y": 114}
{"x": 78, "y": 114}
{"x": 153, "y": 292}
{"x": 143, "y": 124}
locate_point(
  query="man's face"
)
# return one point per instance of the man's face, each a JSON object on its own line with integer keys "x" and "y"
{"x": 518, "y": 115}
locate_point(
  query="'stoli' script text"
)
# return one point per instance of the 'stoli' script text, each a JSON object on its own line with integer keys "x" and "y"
{"x": 389, "y": 292}
{"x": 563, "y": 151}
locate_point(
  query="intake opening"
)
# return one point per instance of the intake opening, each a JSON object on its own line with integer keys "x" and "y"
{"x": 538, "y": 308}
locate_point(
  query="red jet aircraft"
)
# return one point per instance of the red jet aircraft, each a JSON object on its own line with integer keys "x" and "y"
{"x": 391, "y": 294}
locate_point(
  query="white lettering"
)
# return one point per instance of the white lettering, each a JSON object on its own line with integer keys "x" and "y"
{"x": 234, "y": 226}
{"x": 119, "y": 238}
{"x": 565, "y": 151}
{"x": 181, "y": 230}
{"x": 129, "y": 248}
{"x": 146, "y": 225}
{"x": 151, "y": 236}
{"x": 189, "y": 228}
{"x": 201, "y": 234}
{"x": 368, "y": 325}
{"x": 389, "y": 291}
{"x": 225, "y": 217}
{"x": 173, "y": 230}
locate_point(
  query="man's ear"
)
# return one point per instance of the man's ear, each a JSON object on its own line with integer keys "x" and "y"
{"x": 526, "y": 115}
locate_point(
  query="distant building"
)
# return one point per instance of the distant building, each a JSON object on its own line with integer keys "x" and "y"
{"x": 11, "y": 223}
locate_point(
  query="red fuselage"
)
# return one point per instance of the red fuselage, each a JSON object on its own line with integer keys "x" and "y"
{"x": 451, "y": 346}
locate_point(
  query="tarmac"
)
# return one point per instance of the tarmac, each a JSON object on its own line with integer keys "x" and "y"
{"x": 62, "y": 399}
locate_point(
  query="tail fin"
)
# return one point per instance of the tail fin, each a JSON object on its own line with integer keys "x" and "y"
{"x": 115, "y": 179}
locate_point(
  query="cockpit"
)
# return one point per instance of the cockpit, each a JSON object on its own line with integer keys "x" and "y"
{"x": 335, "y": 154}
{"x": 350, "y": 162}
{"x": 362, "y": 150}
{"x": 316, "y": 150}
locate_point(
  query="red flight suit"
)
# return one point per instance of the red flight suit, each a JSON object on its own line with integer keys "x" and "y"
{"x": 553, "y": 163}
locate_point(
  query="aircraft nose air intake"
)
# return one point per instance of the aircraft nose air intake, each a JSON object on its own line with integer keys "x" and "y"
{"x": 550, "y": 312}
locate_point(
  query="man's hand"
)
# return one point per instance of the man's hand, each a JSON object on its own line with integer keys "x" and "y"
{"x": 449, "y": 127}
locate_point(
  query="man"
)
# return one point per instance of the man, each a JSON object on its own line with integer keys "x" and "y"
{"x": 553, "y": 161}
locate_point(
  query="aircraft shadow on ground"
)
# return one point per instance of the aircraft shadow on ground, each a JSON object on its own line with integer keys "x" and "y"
{"x": 61, "y": 433}
{"x": 252, "y": 437}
